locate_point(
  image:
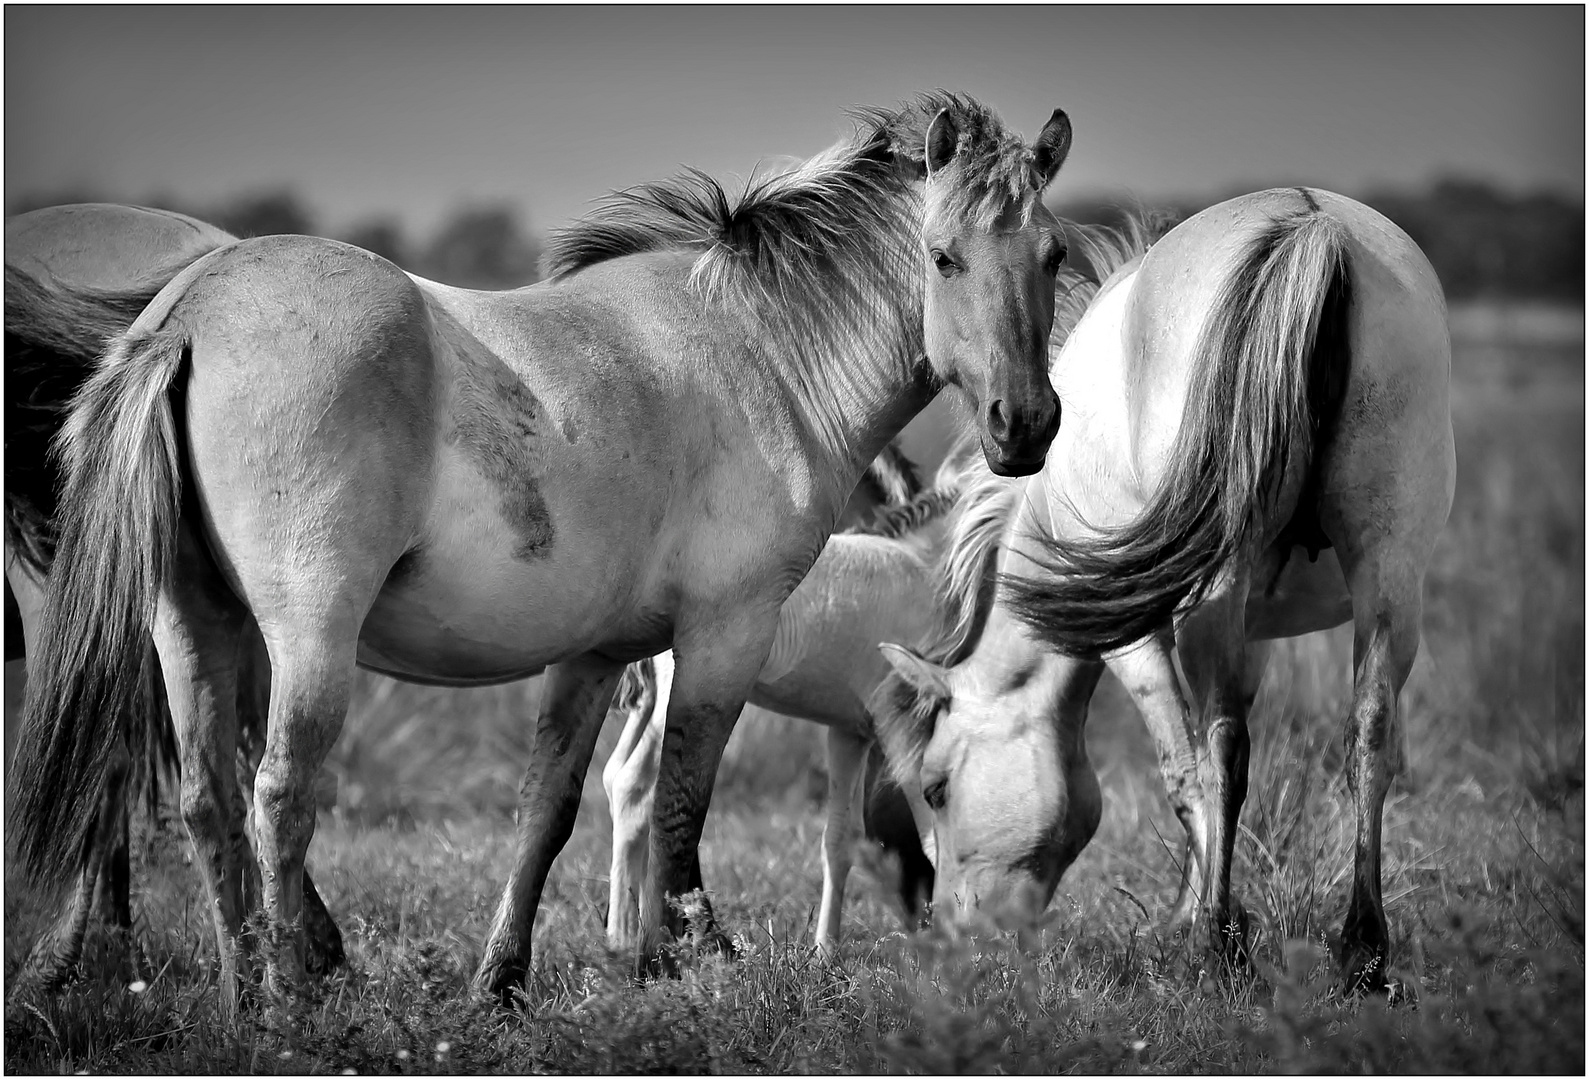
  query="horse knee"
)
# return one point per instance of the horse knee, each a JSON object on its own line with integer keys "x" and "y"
{"x": 203, "y": 808}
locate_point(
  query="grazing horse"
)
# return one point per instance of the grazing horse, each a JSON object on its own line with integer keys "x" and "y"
{"x": 76, "y": 275}
{"x": 1257, "y": 445}
{"x": 647, "y": 449}
{"x": 914, "y": 574}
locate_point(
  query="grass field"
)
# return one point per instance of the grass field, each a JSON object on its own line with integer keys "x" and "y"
{"x": 1484, "y": 880}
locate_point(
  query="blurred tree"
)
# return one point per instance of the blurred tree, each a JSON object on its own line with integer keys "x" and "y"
{"x": 262, "y": 214}
{"x": 482, "y": 247}
{"x": 382, "y": 235}
{"x": 1482, "y": 242}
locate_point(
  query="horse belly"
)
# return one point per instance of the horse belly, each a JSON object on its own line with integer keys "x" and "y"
{"x": 479, "y": 599}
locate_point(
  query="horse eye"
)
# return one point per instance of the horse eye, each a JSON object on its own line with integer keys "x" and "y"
{"x": 936, "y": 793}
{"x": 946, "y": 266}
{"x": 1056, "y": 255}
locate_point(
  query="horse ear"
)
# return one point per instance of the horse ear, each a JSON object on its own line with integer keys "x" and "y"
{"x": 925, "y": 677}
{"x": 943, "y": 138}
{"x": 1051, "y": 148}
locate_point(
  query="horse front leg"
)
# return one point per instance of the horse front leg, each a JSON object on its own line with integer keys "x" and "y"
{"x": 629, "y": 779}
{"x": 1148, "y": 674}
{"x": 847, "y": 754}
{"x": 574, "y": 703}
{"x": 715, "y": 671}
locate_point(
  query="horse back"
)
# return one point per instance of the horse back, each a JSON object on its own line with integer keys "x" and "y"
{"x": 107, "y": 246}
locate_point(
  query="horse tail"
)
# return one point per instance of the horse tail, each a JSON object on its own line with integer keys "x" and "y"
{"x": 1271, "y": 369}
{"x": 53, "y": 335}
{"x": 122, "y": 456}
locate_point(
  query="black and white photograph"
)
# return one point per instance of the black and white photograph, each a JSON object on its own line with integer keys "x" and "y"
{"x": 821, "y": 539}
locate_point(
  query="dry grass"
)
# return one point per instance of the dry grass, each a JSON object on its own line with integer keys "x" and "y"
{"x": 1483, "y": 868}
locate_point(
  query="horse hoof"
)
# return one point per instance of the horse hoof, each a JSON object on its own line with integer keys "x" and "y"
{"x": 322, "y": 957}
{"x": 500, "y": 982}
{"x": 1363, "y": 966}
{"x": 714, "y": 940}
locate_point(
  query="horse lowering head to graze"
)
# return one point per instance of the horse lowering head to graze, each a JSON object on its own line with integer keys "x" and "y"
{"x": 1258, "y": 445}
{"x": 648, "y": 449}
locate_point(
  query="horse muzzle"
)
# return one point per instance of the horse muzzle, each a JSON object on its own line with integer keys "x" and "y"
{"x": 1015, "y": 441}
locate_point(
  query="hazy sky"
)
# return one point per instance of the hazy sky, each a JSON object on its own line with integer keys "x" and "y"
{"x": 405, "y": 110}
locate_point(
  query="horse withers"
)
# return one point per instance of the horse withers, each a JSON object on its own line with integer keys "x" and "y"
{"x": 1258, "y": 445}
{"x": 648, "y": 449}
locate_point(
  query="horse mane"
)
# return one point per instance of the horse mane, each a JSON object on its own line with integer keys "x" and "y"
{"x": 822, "y": 256}
{"x": 897, "y": 522}
{"x": 801, "y": 222}
{"x": 892, "y": 477}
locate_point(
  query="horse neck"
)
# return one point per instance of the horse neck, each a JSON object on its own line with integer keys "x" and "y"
{"x": 851, "y": 354}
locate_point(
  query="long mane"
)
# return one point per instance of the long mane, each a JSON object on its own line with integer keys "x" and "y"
{"x": 822, "y": 255}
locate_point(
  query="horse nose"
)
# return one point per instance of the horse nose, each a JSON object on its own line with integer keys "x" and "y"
{"x": 1013, "y": 433}
{"x": 999, "y": 421}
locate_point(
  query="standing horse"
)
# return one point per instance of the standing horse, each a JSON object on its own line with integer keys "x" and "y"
{"x": 1273, "y": 375}
{"x": 462, "y": 487}
{"x": 914, "y": 574}
{"x": 76, "y": 275}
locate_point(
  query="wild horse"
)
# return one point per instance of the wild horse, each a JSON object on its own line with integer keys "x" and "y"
{"x": 1257, "y": 445}
{"x": 649, "y": 448}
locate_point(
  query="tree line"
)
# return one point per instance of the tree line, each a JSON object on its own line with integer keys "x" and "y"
{"x": 482, "y": 246}
{"x": 1485, "y": 243}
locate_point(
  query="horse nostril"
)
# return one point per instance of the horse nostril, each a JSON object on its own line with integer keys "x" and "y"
{"x": 999, "y": 420}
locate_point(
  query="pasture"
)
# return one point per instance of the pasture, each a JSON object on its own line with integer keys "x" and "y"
{"x": 1484, "y": 863}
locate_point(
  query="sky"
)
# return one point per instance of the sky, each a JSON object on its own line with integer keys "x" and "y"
{"x": 414, "y": 111}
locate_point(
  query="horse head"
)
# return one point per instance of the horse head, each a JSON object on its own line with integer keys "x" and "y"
{"x": 1013, "y": 795}
{"x": 991, "y": 252}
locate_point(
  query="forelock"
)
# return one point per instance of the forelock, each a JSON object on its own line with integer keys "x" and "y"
{"x": 905, "y": 719}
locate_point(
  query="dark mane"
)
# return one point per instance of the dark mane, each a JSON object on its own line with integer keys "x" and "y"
{"x": 893, "y": 522}
{"x": 803, "y": 221}
{"x": 891, "y": 477}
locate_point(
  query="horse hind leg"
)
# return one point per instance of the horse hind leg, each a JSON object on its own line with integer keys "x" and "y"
{"x": 196, "y": 628}
{"x": 1384, "y": 645}
{"x": 1223, "y": 673}
{"x": 56, "y": 955}
{"x": 324, "y": 951}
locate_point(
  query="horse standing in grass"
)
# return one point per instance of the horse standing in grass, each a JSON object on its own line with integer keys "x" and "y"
{"x": 916, "y": 574}
{"x": 467, "y": 487}
{"x": 1257, "y": 445}
{"x": 76, "y": 275}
